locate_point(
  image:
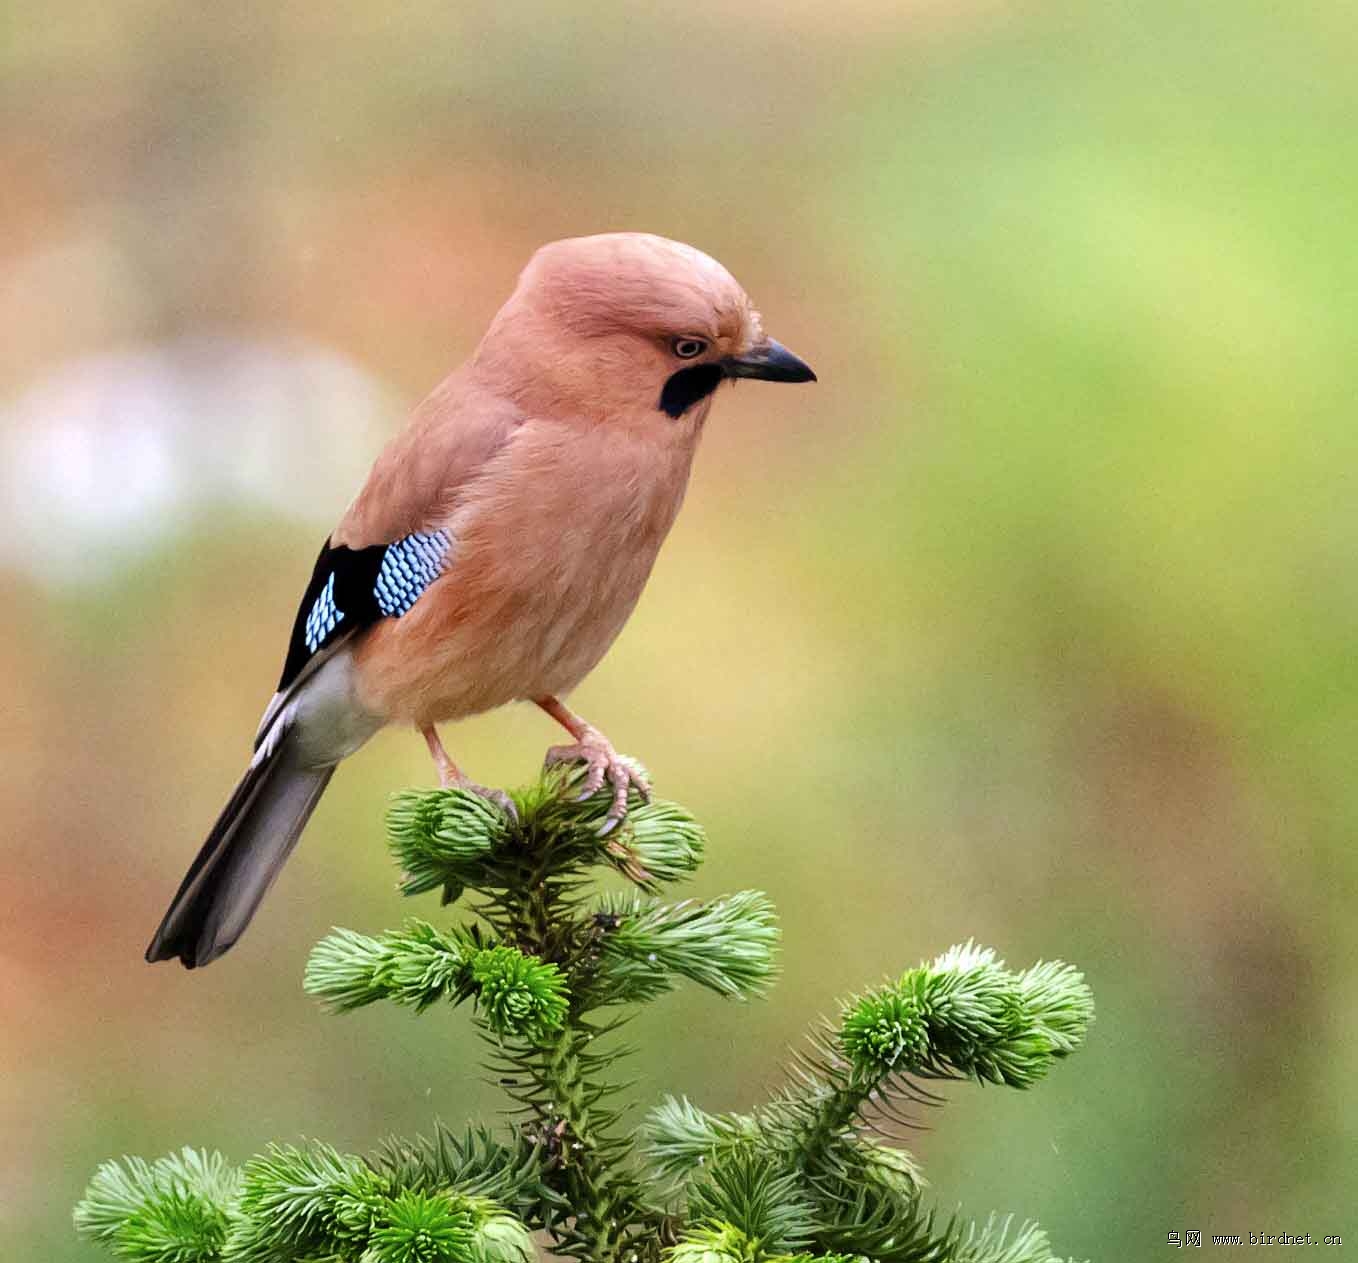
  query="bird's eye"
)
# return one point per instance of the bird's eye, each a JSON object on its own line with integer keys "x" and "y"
{"x": 688, "y": 348}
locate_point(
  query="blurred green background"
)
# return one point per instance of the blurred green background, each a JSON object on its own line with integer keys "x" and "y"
{"x": 1035, "y": 620}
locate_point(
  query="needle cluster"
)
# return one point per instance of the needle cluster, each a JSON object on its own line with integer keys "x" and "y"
{"x": 548, "y": 969}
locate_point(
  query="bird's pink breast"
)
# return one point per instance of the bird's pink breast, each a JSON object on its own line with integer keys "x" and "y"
{"x": 552, "y": 545}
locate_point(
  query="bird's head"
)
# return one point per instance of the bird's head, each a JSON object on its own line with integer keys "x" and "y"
{"x": 629, "y": 325}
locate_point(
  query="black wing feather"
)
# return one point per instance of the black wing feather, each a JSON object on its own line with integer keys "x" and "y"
{"x": 349, "y": 575}
{"x": 353, "y": 588}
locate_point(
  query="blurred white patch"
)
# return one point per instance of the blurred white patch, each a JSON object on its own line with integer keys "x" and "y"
{"x": 114, "y": 455}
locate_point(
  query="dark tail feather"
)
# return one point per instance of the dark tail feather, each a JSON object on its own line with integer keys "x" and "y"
{"x": 245, "y": 851}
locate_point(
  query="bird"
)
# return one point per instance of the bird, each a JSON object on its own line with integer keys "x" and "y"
{"x": 497, "y": 547}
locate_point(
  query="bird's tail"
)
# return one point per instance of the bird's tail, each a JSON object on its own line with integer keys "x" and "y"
{"x": 245, "y": 851}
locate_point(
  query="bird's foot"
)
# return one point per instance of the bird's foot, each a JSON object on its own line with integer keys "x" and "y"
{"x": 497, "y": 796}
{"x": 602, "y": 763}
{"x": 452, "y": 777}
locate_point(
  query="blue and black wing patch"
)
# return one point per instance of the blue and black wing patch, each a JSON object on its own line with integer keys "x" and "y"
{"x": 408, "y": 567}
{"x": 353, "y": 588}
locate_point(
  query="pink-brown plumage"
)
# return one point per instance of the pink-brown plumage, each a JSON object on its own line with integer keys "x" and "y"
{"x": 556, "y": 529}
{"x": 548, "y": 471}
{"x": 552, "y": 544}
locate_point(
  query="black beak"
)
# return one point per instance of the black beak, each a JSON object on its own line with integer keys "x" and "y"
{"x": 770, "y": 361}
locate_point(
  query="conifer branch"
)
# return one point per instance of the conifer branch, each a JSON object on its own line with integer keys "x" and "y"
{"x": 176, "y": 1208}
{"x": 727, "y": 945}
{"x": 515, "y": 994}
{"x": 551, "y": 971}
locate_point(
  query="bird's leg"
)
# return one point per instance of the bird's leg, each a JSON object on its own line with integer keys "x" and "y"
{"x": 603, "y": 762}
{"x": 452, "y": 777}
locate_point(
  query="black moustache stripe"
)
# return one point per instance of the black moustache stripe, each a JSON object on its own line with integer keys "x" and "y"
{"x": 687, "y": 387}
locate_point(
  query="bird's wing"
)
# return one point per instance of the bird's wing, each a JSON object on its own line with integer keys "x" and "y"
{"x": 391, "y": 543}
{"x": 422, "y": 472}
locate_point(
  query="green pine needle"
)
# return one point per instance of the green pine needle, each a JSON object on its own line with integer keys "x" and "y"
{"x": 893, "y": 1169}
{"x": 441, "y": 835}
{"x": 422, "y": 1228}
{"x": 175, "y": 1227}
{"x": 422, "y": 965}
{"x": 473, "y": 1162}
{"x": 992, "y": 1243}
{"x": 795, "y": 1180}
{"x": 518, "y": 994}
{"x": 658, "y": 844}
{"x": 1059, "y": 1003}
{"x": 678, "y": 1137}
{"x": 813, "y": 1258}
{"x": 417, "y": 965}
{"x": 299, "y": 1199}
{"x": 887, "y": 1029}
{"x": 966, "y": 1014}
{"x": 720, "y": 1243}
{"x": 728, "y": 945}
{"x": 175, "y": 1210}
{"x": 118, "y": 1191}
{"x": 343, "y": 968}
{"x": 498, "y": 1237}
{"x": 751, "y": 1193}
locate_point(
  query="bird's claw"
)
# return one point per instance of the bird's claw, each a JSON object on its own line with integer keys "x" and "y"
{"x": 602, "y": 763}
{"x": 497, "y": 796}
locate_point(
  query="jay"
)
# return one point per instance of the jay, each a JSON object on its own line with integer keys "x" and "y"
{"x": 497, "y": 547}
